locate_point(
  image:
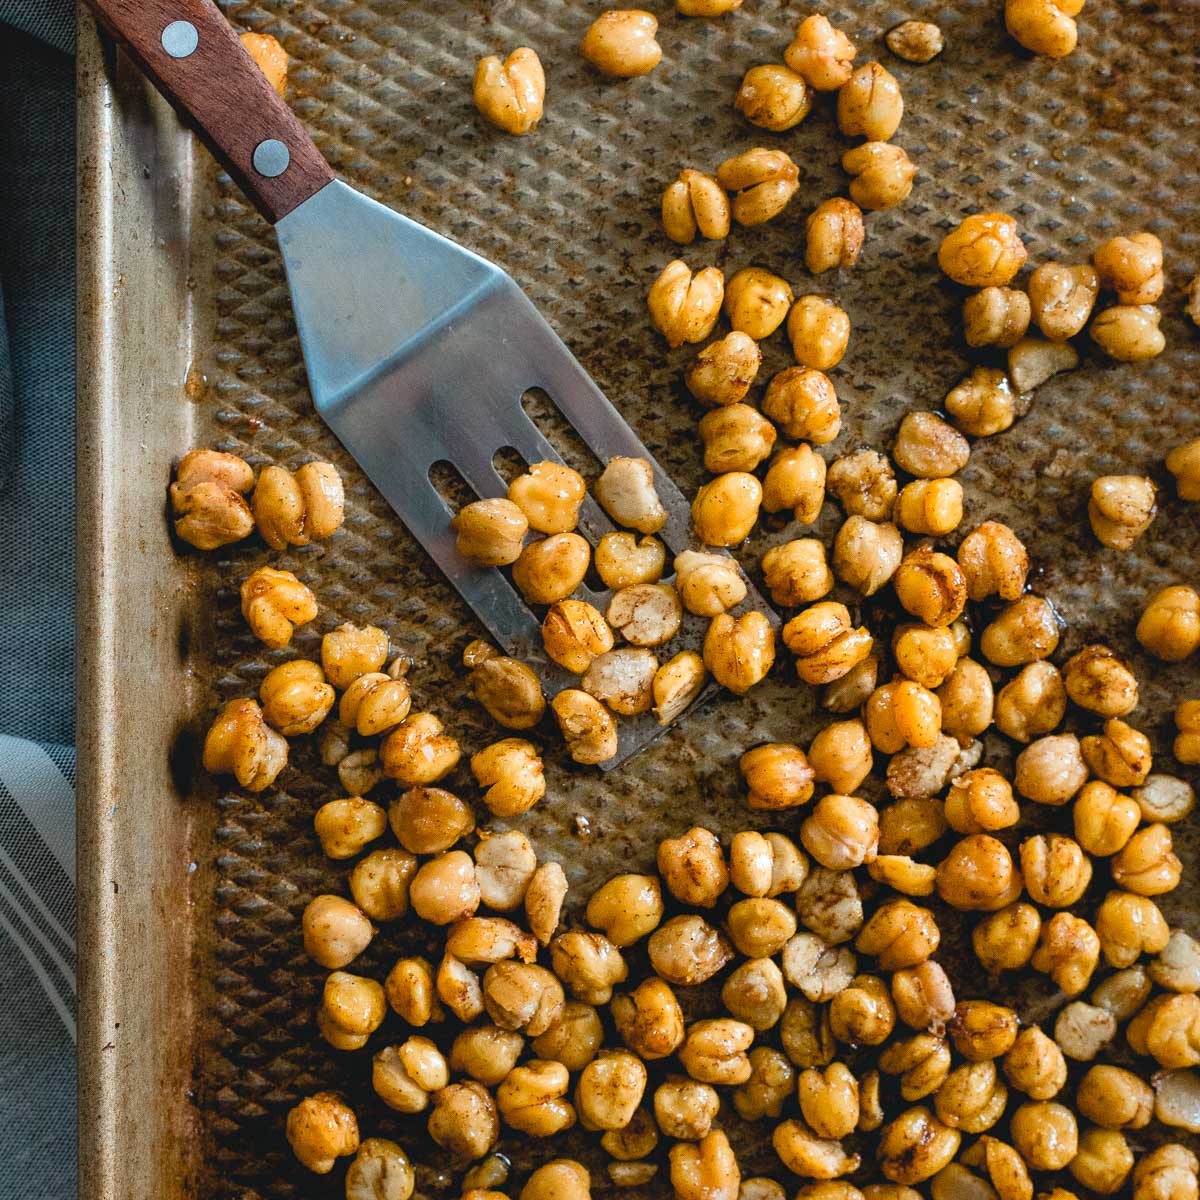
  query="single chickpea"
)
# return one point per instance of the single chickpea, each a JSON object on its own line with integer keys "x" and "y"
{"x": 380, "y": 1169}
{"x": 825, "y": 642}
{"x": 511, "y": 94}
{"x": 637, "y": 1140}
{"x": 445, "y": 888}
{"x": 490, "y": 532}
{"x": 1097, "y": 679}
{"x": 981, "y": 801}
{"x": 1068, "y": 952}
{"x": 796, "y": 480}
{"x": 1103, "y": 1160}
{"x": 804, "y": 1033}
{"x": 207, "y": 499}
{"x": 240, "y": 743}
{"x": 924, "y": 997}
{"x": 851, "y": 691}
{"x": 610, "y": 1089}
{"x": 695, "y": 204}
{"x": 929, "y": 448}
{"x": 967, "y": 699}
{"x": 549, "y": 570}
{"x": 561, "y": 1179}
{"x": 623, "y": 680}
{"x": 1035, "y": 1065}
{"x": 916, "y": 1146}
{"x": 840, "y": 755}
{"x": 805, "y": 405}
{"x": 626, "y": 908}
{"x": 983, "y": 250}
{"x": 1032, "y": 361}
{"x": 274, "y": 603}
{"x": 721, "y": 374}
{"x": 522, "y": 997}
{"x": 345, "y": 827}
{"x": 1129, "y": 926}
{"x": 1167, "y": 1173}
{"x": 796, "y": 573}
{"x": 380, "y": 881}
{"x": 763, "y": 180}
{"x": 464, "y": 1120}
{"x": 755, "y": 993}
{"x": 1032, "y": 703}
{"x": 588, "y": 728}
{"x": 405, "y": 1076}
{"x": 736, "y": 438}
{"x": 930, "y": 506}
{"x": 1005, "y": 941}
{"x": 458, "y": 987}
{"x": 621, "y": 43}
{"x": 419, "y": 751}
{"x": 684, "y": 1109}
{"x": 866, "y": 554}
{"x": 715, "y": 1051}
{"x": 1132, "y": 267}
{"x": 778, "y": 775}
{"x": 486, "y": 1053}
{"x": 915, "y": 41}
{"x": 771, "y": 1084}
{"x": 829, "y": 1100}
{"x": 1148, "y": 865}
{"x": 925, "y": 771}
{"x": 1121, "y": 508}
{"x": 765, "y": 864}
{"x": 1061, "y": 297}
{"x": 549, "y": 494}
{"x": 544, "y": 900}
{"x": 834, "y": 235}
{"x": 739, "y": 651}
{"x": 294, "y": 509}
{"x": 900, "y": 934}
{"x": 978, "y": 875}
{"x": 931, "y": 586}
{"x": 687, "y": 950}
{"x": 676, "y": 684}
{"x": 760, "y": 927}
{"x": 707, "y": 1170}
{"x": 1055, "y": 869}
{"x": 1123, "y": 993}
{"x": 295, "y": 697}
{"x": 623, "y": 560}
{"x": 862, "y": 1013}
{"x": 349, "y": 652}
{"x": 812, "y": 1157}
{"x": 903, "y": 874}
{"x": 531, "y": 1099}
{"x": 818, "y": 970}
{"x": 1165, "y": 798}
{"x": 1051, "y": 770}
{"x": 626, "y": 492}
{"x": 512, "y": 773}
{"x": 1043, "y": 26}
{"x": 352, "y": 1008}
{"x": 773, "y": 97}
{"x": 589, "y": 964}
{"x": 649, "y": 1019}
{"x": 1120, "y": 755}
{"x": 902, "y": 713}
{"x": 821, "y": 53}
{"x": 1168, "y": 1029}
{"x": 683, "y": 307}
{"x": 864, "y": 484}
{"x": 1045, "y": 1134}
{"x": 981, "y": 1030}
{"x": 1129, "y": 332}
{"x": 756, "y": 302}
{"x": 1184, "y": 463}
{"x": 819, "y": 331}
{"x": 996, "y": 316}
{"x": 1104, "y": 819}
{"x": 983, "y": 404}
{"x": 574, "y": 1039}
{"x": 1083, "y": 1030}
{"x": 1023, "y": 632}
{"x": 883, "y": 174}
{"x": 504, "y": 866}
{"x": 829, "y": 905}
{"x": 374, "y": 703}
{"x": 726, "y": 509}
{"x": 922, "y": 1062}
{"x": 693, "y": 867}
{"x": 1115, "y": 1098}
{"x": 1169, "y": 626}
{"x": 869, "y": 103}
{"x": 411, "y": 992}
{"x": 321, "y": 1129}
{"x": 1186, "y": 747}
{"x": 842, "y": 832}
{"x": 972, "y": 1098}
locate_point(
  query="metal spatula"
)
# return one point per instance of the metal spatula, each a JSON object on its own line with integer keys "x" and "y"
{"x": 418, "y": 351}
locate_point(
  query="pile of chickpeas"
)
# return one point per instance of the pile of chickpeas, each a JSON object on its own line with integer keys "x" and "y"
{"x": 783, "y": 980}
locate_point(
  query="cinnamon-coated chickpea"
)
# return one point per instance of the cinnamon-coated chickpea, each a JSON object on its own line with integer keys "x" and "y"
{"x": 207, "y": 499}
{"x": 410, "y": 989}
{"x": 1096, "y": 678}
{"x": 693, "y": 867}
{"x": 1005, "y": 940}
{"x": 1147, "y": 864}
{"x": 723, "y": 371}
{"x": 931, "y": 586}
{"x": 972, "y": 1098}
{"x": 773, "y": 97}
{"x": 805, "y": 1154}
{"x": 511, "y": 94}
{"x": 922, "y": 1062}
{"x": 930, "y": 506}
{"x": 380, "y": 1169}
{"x": 829, "y": 1100}
{"x": 685, "y": 307}
{"x": 756, "y": 302}
{"x": 924, "y": 653}
{"x": 929, "y": 448}
{"x": 981, "y": 801}
{"x": 1168, "y": 1029}
{"x": 1061, "y": 297}
{"x": 1132, "y": 267}
{"x": 1043, "y": 26}
{"x": 621, "y": 43}
{"x": 804, "y": 404}
{"x": 549, "y": 494}
{"x": 883, "y": 174}
{"x": 834, "y": 235}
{"x": 531, "y": 1099}
{"x": 1033, "y": 360}
{"x": 374, "y": 703}
{"x": 829, "y": 905}
{"x": 1121, "y": 508}
{"x": 1023, "y": 632}
{"x": 726, "y": 509}
{"x": 1169, "y": 626}
{"x": 684, "y": 1109}
{"x": 1129, "y": 332}
{"x": 1051, "y": 770}
{"x": 623, "y": 679}
{"x": 588, "y": 728}
{"x": 1104, "y": 819}
{"x": 903, "y": 874}
{"x": 589, "y": 964}
{"x": 870, "y": 104}
{"x": 778, "y": 775}
{"x": 1115, "y": 1098}
{"x": 344, "y": 827}
{"x": 695, "y": 204}
{"x": 982, "y": 1030}
{"x": 649, "y": 1019}
{"x": 550, "y": 569}
{"x": 1119, "y": 755}
{"x": 1123, "y": 993}
{"x": 867, "y": 554}
{"x": 902, "y": 713}
{"x": 983, "y": 404}
{"x": 923, "y": 996}
{"x": 864, "y": 484}
{"x": 840, "y": 755}
{"x": 419, "y": 751}
{"x": 348, "y": 652}
{"x": 241, "y": 743}
{"x": 916, "y": 1146}
{"x": 637, "y": 1140}
{"x": 995, "y": 316}
{"x": 676, "y": 684}
{"x": 736, "y": 438}
{"x": 622, "y": 560}
{"x": 1103, "y": 1161}
{"x": 352, "y": 1008}
{"x": 490, "y": 532}
{"x": 796, "y": 573}
{"x": 771, "y": 1084}
{"x": 826, "y": 642}
{"x": 321, "y": 1129}
{"x": 464, "y": 1120}
{"x": 626, "y": 908}
{"x": 1068, "y": 951}
{"x": 968, "y": 701}
{"x": 294, "y": 509}
{"x": 760, "y": 927}
{"x": 274, "y": 604}
{"x": 1055, "y": 869}
{"x": 1032, "y": 703}
{"x": 819, "y": 331}
{"x": 862, "y": 1013}
{"x": 486, "y": 1053}
{"x": 574, "y": 1039}
{"x": 821, "y": 53}
{"x": 445, "y": 888}
{"x": 504, "y": 866}
{"x": 765, "y": 864}
{"x": 978, "y": 875}
{"x": 763, "y": 180}
{"x": 1186, "y": 747}
{"x": 405, "y": 1076}
{"x": 714, "y": 1051}
{"x": 796, "y": 480}
{"x": 739, "y": 651}
{"x": 755, "y": 993}
{"x": 610, "y": 1089}
{"x": 687, "y": 950}
{"x": 379, "y": 883}
{"x": 511, "y": 771}
{"x": 842, "y": 832}
{"x": 1035, "y": 1065}
{"x": 983, "y": 250}
{"x": 1129, "y": 926}
{"x": 522, "y": 997}
{"x": 706, "y": 1170}
{"x": 295, "y": 697}
{"x": 561, "y": 1179}
{"x": 627, "y": 493}
{"x": 900, "y": 934}
{"x": 1045, "y": 1134}
{"x": 851, "y": 691}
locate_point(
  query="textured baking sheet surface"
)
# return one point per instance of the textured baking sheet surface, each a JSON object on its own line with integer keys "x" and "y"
{"x": 1103, "y": 142}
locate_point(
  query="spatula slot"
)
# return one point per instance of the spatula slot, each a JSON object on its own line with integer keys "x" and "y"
{"x": 446, "y": 479}
{"x": 541, "y": 408}
{"x": 509, "y": 463}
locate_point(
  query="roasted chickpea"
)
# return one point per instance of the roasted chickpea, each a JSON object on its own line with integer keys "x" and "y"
{"x": 900, "y": 934}
{"x": 771, "y": 1084}
{"x": 549, "y": 494}
{"x": 274, "y": 604}
{"x": 715, "y": 1051}
{"x": 458, "y": 987}
{"x": 995, "y": 316}
{"x": 405, "y": 1076}
{"x": 983, "y": 404}
{"x": 778, "y": 776}
{"x": 504, "y": 866}
{"x": 207, "y": 499}
{"x": 1129, "y": 926}
{"x": 676, "y": 684}
{"x": 1068, "y": 952}
{"x": 428, "y": 820}
{"x": 1129, "y": 332}
{"x": 1186, "y": 747}
{"x": 687, "y": 950}
{"x": 1005, "y": 941}
{"x": 739, "y": 651}
{"x": 293, "y": 509}
{"x": 1121, "y": 509}
{"x": 1115, "y": 1098}
{"x": 1035, "y": 1065}
{"x": 626, "y": 492}
{"x": 1062, "y": 297}
{"x": 726, "y": 508}
{"x": 829, "y": 1100}
{"x": 829, "y": 905}
{"x": 723, "y": 371}
{"x": 509, "y": 690}
{"x": 464, "y": 1120}
{"x": 1123, "y": 993}
{"x": 486, "y": 1053}
{"x": 825, "y": 642}
{"x": 922, "y": 1062}
{"x": 819, "y": 331}
{"x": 1032, "y": 703}
{"x": 1055, "y": 869}
{"x": 511, "y": 771}
{"x": 649, "y": 1019}
{"x": 374, "y": 703}
{"x": 978, "y": 875}
{"x": 626, "y": 908}
{"x": 915, "y": 41}
{"x": 981, "y": 801}
{"x": 930, "y": 586}
{"x": 1168, "y": 1029}
{"x": 796, "y": 480}
{"x": 241, "y": 743}
{"x": 295, "y": 697}
{"x": 902, "y": 713}
{"x": 380, "y": 1171}
{"x": 967, "y": 701}
{"x": 1184, "y": 463}
{"x": 869, "y": 103}
{"x": 804, "y": 404}
{"x": 531, "y": 1099}
{"x": 321, "y": 1129}
{"x": 610, "y": 1089}
{"x": 621, "y": 43}
{"x": 1168, "y": 1173}
{"x": 1045, "y": 1135}
{"x": 1051, "y": 770}
{"x": 773, "y": 97}
{"x": 862, "y": 1013}
{"x": 981, "y": 1030}
{"x": 1120, "y": 754}
{"x": 1169, "y": 626}
{"x": 1147, "y": 865}
{"x": 352, "y": 1008}
{"x": 561, "y": 1179}
{"x": 864, "y": 484}
{"x": 1032, "y": 361}
{"x": 1024, "y": 632}
{"x": 923, "y": 996}
{"x": 574, "y": 1039}
{"x": 345, "y": 827}
{"x": 695, "y": 204}
{"x": 929, "y": 448}
{"x": 841, "y": 833}
{"x": 736, "y": 438}
{"x": 588, "y": 728}
{"x": 549, "y": 570}
{"x": 490, "y": 532}
{"x": 1103, "y": 1160}
{"x": 834, "y": 235}
{"x": 821, "y": 53}
{"x": 1132, "y": 267}
{"x": 1043, "y": 26}
{"x": 972, "y": 1098}
{"x": 884, "y": 174}
{"x": 851, "y": 691}
{"x": 511, "y": 94}
{"x": 866, "y": 554}
{"x": 1104, "y": 819}
{"x": 840, "y": 755}
{"x": 984, "y": 250}
{"x": 707, "y": 1170}
{"x": 1082, "y": 1030}
{"x": 623, "y": 679}
{"x": 523, "y": 997}
{"x": 637, "y": 1140}
{"x": 411, "y": 992}
{"x": 1165, "y": 798}
{"x": 916, "y": 1146}
{"x": 544, "y": 900}
{"x": 589, "y": 964}
{"x": 903, "y": 874}
{"x": 755, "y": 993}
{"x": 764, "y": 180}
{"x": 812, "y": 1157}
{"x": 925, "y": 771}
{"x": 930, "y": 506}
{"x": 683, "y": 307}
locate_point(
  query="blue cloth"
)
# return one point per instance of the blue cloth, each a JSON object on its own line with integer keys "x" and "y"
{"x": 37, "y": 636}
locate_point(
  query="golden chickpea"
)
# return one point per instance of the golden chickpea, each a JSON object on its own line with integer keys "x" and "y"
{"x": 983, "y": 250}
{"x": 804, "y": 404}
{"x": 866, "y": 554}
{"x": 1051, "y": 770}
{"x": 978, "y": 875}
{"x": 796, "y": 480}
{"x": 1024, "y": 632}
{"x": 755, "y": 993}
{"x": 610, "y": 1089}
{"x": 1120, "y": 755}
{"x": 445, "y": 888}
{"x": 1062, "y": 297}
{"x": 1186, "y": 747}
{"x": 739, "y": 651}
{"x": 335, "y": 931}
{"x": 626, "y": 492}
{"x": 695, "y": 204}
{"x": 916, "y": 1146}
{"x": 1132, "y": 267}
{"x": 834, "y": 235}
{"x": 726, "y": 509}
{"x": 1032, "y": 361}
{"x": 623, "y": 679}
{"x": 1129, "y": 926}
{"x": 851, "y": 691}
{"x": 523, "y": 997}
{"x": 687, "y": 950}
{"x": 829, "y": 905}
{"x": 464, "y": 1120}
{"x": 1103, "y": 1160}
{"x": 825, "y": 642}
{"x": 930, "y": 506}
{"x": 983, "y": 404}
{"x": 981, "y": 801}
{"x": 900, "y": 934}
{"x": 380, "y": 881}
{"x": 561, "y": 1179}
{"x": 685, "y": 1109}
{"x": 345, "y": 827}
{"x": 490, "y": 532}
{"x": 818, "y": 970}
{"x": 374, "y": 703}
{"x": 676, "y": 684}
{"x": 1043, "y": 26}
{"x": 295, "y": 697}
{"x": 623, "y": 560}
{"x": 840, "y": 755}
{"x": 509, "y": 690}
{"x": 1168, "y": 1029}
{"x": 589, "y": 964}
{"x": 512, "y": 773}
{"x": 902, "y": 713}
{"x": 321, "y": 1129}
{"x": 929, "y": 448}
{"x": 458, "y": 987}
{"x": 574, "y": 1039}
{"x": 380, "y": 1171}
{"x": 722, "y": 372}
{"x": 925, "y": 771}
{"x": 683, "y": 307}
{"x": 549, "y": 494}
{"x": 549, "y": 570}
{"x": 715, "y": 1051}
{"x": 778, "y": 775}
{"x": 864, "y": 484}
{"x": 771, "y": 1084}
{"x": 428, "y": 820}
{"x": 764, "y": 180}
{"x": 915, "y": 41}
{"x": 796, "y": 572}
{"x": 862, "y": 1013}
{"x": 842, "y": 832}
{"x": 649, "y": 1019}
{"x": 1083, "y": 1030}
{"x": 736, "y": 438}
{"x": 693, "y": 867}
{"x": 486, "y": 1053}
{"x": 410, "y": 992}
{"x": 1032, "y": 703}
{"x": 1129, "y": 332}
{"x": 756, "y": 302}
{"x": 922, "y": 1062}
{"x": 1147, "y": 865}
{"x": 637, "y": 1140}
{"x": 821, "y": 53}
{"x": 923, "y": 996}
{"x": 1005, "y": 941}
{"x": 352, "y": 1008}
{"x": 293, "y": 509}
{"x": 869, "y": 104}
{"x": 1045, "y": 1135}
{"x": 274, "y": 604}
{"x": 588, "y": 728}
{"x": 626, "y": 908}
{"x": 967, "y": 701}
{"x": 930, "y": 585}
{"x": 812, "y": 1157}
{"x": 829, "y": 1100}
{"x": 1184, "y": 463}
{"x": 883, "y": 174}
{"x": 1121, "y": 509}
{"x": 995, "y": 316}
{"x": 621, "y": 43}
{"x": 1123, "y": 993}
{"x": 903, "y": 874}
{"x": 511, "y": 94}
{"x": 1055, "y": 869}
{"x": 1169, "y": 626}
{"x": 240, "y": 743}
{"x": 1167, "y": 1173}
{"x": 773, "y": 97}
{"x": 1068, "y": 952}
{"x": 531, "y": 1099}
{"x": 1097, "y": 679}
{"x": 972, "y": 1098}
{"x": 1165, "y": 798}
{"x": 765, "y": 864}
{"x": 819, "y": 331}
{"x": 1035, "y": 1065}
{"x": 207, "y": 499}
{"x": 504, "y": 866}
{"x": 348, "y": 652}
{"x": 544, "y": 899}
{"x": 981, "y": 1030}
{"x": 760, "y": 927}
{"x": 1115, "y": 1098}
{"x": 405, "y": 1076}
{"x": 707, "y": 1170}
{"x": 1104, "y": 819}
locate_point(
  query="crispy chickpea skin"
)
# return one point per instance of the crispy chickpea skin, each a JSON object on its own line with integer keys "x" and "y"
{"x": 773, "y": 97}
{"x": 929, "y": 448}
{"x": 707, "y": 1170}
{"x": 796, "y": 480}
{"x": 294, "y": 509}
{"x": 1024, "y": 632}
{"x": 321, "y": 1129}
{"x": 1055, "y": 869}
{"x": 207, "y": 499}
{"x": 983, "y": 404}
{"x": 983, "y": 250}
{"x": 1184, "y": 463}
{"x": 796, "y": 572}
{"x": 778, "y": 775}
{"x": 819, "y": 331}
{"x": 736, "y": 438}
{"x": 763, "y": 180}
{"x": 1061, "y": 298}
{"x": 241, "y": 743}
{"x": 1169, "y": 626}
{"x": 1129, "y": 332}
{"x": 274, "y": 603}
{"x": 834, "y": 235}
{"x": 822, "y": 54}
{"x": 869, "y": 103}
{"x": 739, "y": 651}
{"x": 649, "y": 1019}
{"x": 695, "y": 204}
{"x": 931, "y": 586}
{"x": 723, "y": 371}
{"x": 916, "y": 1146}
{"x": 621, "y": 43}
{"x": 883, "y": 175}
{"x": 511, "y": 94}
{"x": 825, "y": 642}
{"x": 685, "y": 307}
{"x": 1121, "y": 508}
{"x": 511, "y": 772}
{"x": 726, "y": 508}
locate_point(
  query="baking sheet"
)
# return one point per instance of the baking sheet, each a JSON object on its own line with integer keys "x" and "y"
{"x": 198, "y": 1029}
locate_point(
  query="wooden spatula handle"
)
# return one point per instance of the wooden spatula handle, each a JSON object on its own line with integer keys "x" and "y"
{"x": 194, "y": 58}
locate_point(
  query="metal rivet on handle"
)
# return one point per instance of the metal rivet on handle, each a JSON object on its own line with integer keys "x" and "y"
{"x": 180, "y": 38}
{"x": 271, "y": 158}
